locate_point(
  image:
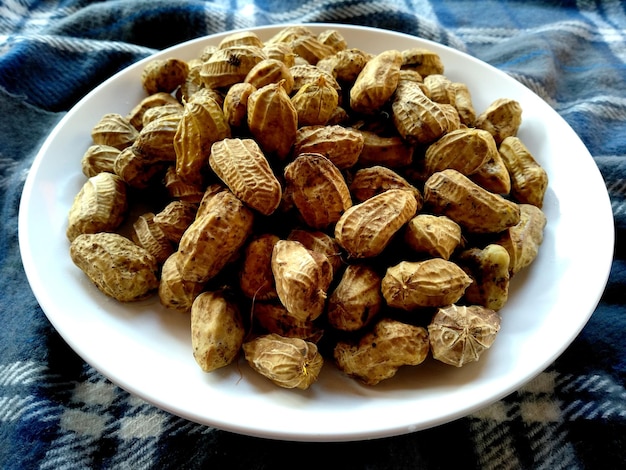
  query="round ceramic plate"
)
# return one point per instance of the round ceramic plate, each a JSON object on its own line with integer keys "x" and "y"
{"x": 146, "y": 349}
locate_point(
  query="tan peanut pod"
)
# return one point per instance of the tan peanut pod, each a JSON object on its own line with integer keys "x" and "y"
{"x": 489, "y": 269}
{"x": 114, "y": 129}
{"x": 522, "y": 240}
{"x": 435, "y": 235}
{"x": 99, "y": 206}
{"x": 453, "y": 194}
{"x": 280, "y": 51}
{"x": 289, "y": 34}
{"x": 388, "y": 151}
{"x": 181, "y": 190}
{"x": 376, "y": 83}
{"x": 501, "y": 119}
{"x": 270, "y": 71}
{"x": 321, "y": 242}
{"x": 333, "y": 39}
{"x": 356, "y": 300}
{"x": 304, "y": 74}
{"x": 286, "y": 362}
{"x": 424, "y": 61}
{"x": 380, "y": 353}
{"x": 210, "y": 241}
{"x": 207, "y": 52}
{"x": 118, "y": 267}
{"x": 156, "y": 140}
{"x": 529, "y": 180}
{"x": 317, "y": 189}
{"x": 230, "y": 65}
{"x": 202, "y": 125}
{"x": 157, "y": 112}
{"x": 175, "y": 218}
{"x": 464, "y": 150}
{"x": 98, "y": 159}
{"x": 135, "y": 116}
{"x": 493, "y": 175}
{"x": 452, "y": 117}
{"x": 272, "y": 119}
{"x": 217, "y": 330}
{"x": 147, "y": 234}
{"x": 206, "y": 202}
{"x": 236, "y": 104}
{"x": 137, "y": 171}
{"x": 310, "y": 49}
{"x": 345, "y": 65}
{"x": 315, "y": 103}
{"x": 256, "y": 280}
{"x": 460, "y": 335}
{"x": 241, "y": 165}
{"x": 193, "y": 82}
{"x": 366, "y": 228}
{"x": 368, "y": 182}
{"x": 463, "y": 103}
{"x": 164, "y": 75}
{"x": 440, "y": 89}
{"x": 418, "y": 119}
{"x": 240, "y": 38}
{"x": 434, "y": 282}
{"x": 274, "y": 318}
{"x": 204, "y": 94}
{"x": 341, "y": 145}
{"x": 174, "y": 292}
{"x": 302, "y": 279}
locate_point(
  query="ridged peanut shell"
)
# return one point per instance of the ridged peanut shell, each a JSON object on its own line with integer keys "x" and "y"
{"x": 272, "y": 119}
{"x": 210, "y": 241}
{"x": 454, "y": 195}
{"x": 287, "y": 362}
{"x": 434, "y": 282}
{"x": 235, "y": 105}
{"x": 155, "y": 141}
{"x": 99, "y": 206}
{"x": 376, "y": 82}
{"x": 389, "y": 151}
{"x": 437, "y": 236}
{"x": 460, "y": 334}
{"x": 242, "y": 166}
{"x": 217, "y": 330}
{"x": 522, "y": 240}
{"x": 341, "y": 145}
{"x": 368, "y": 182}
{"x": 302, "y": 279}
{"x": 98, "y": 159}
{"x": 270, "y": 71}
{"x": 356, "y": 300}
{"x": 418, "y": 119}
{"x": 147, "y": 234}
{"x": 118, "y": 267}
{"x": 175, "y": 218}
{"x": 135, "y": 116}
{"x": 318, "y": 190}
{"x": 502, "y": 119}
{"x": 529, "y": 181}
{"x": 164, "y": 75}
{"x": 315, "y": 103}
{"x": 321, "y": 242}
{"x": 256, "y": 279}
{"x": 366, "y": 228}
{"x": 230, "y": 65}
{"x": 378, "y": 354}
{"x": 464, "y": 150}
{"x": 422, "y": 60}
{"x": 174, "y": 292}
{"x": 202, "y": 124}
{"x": 114, "y": 129}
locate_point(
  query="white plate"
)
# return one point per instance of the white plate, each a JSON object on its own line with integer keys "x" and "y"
{"x": 146, "y": 349}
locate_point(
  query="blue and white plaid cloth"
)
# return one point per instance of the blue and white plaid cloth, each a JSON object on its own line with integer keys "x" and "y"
{"x": 56, "y": 412}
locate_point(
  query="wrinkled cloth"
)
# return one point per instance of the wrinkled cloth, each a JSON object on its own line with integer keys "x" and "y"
{"x": 57, "y": 412}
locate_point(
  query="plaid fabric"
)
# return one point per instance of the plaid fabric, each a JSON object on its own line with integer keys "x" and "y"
{"x": 57, "y": 412}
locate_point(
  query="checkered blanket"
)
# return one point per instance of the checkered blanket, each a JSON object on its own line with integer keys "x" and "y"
{"x": 57, "y": 412}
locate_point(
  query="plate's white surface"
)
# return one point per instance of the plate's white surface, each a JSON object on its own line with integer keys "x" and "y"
{"x": 146, "y": 349}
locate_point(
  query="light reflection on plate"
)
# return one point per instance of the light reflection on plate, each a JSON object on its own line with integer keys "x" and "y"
{"x": 146, "y": 349}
